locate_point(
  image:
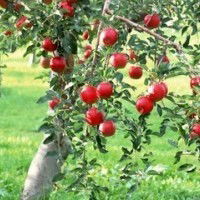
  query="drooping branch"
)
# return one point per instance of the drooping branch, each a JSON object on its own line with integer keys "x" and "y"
{"x": 137, "y": 27}
{"x": 157, "y": 36}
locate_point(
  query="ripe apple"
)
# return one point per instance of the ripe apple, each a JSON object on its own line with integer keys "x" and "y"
{"x": 3, "y": 3}
{"x": 107, "y": 128}
{"x": 118, "y": 60}
{"x": 105, "y": 90}
{"x": 54, "y": 102}
{"x": 58, "y": 64}
{"x": 21, "y": 22}
{"x": 165, "y": 87}
{"x": 94, "y": 117}
{"x": 8, "y": 33}
{"x": 49, "y": 45}
{"x": 47, "y": 1}
{"x": 135, "y": 72}
{"x": 195, "y": 132}
{"x": 195, "y": 82}
{"x": 88, "y": 47}
{"x": 45, "y": 62}
{"x": 87, "y": 53}
{"x": 193, "y": 135}
{"x": 144, "y": 105}
{"x": 152, "y": 21}
{"x": 67, "y": 9}
{"x": 157, "y": 91}
{"x": 89, "y": 94}
{"x": 164, "y": 59}
{"x": 132, "y": 55}
{"x": 109, "y": 36}
{"x": 85, "y": 35}
{"x": 70, "y": 2}
{"x": 196, "y": 129}
{"x": 17, "y": 6}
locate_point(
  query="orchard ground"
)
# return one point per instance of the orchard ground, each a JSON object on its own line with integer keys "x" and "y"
{"x": 20, "y": 117}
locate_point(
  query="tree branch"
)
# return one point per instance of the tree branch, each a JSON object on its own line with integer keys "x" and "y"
{"x": 137, "y": 27}
{"x": 104, "y": 11}
{"x": 157, "y": 36}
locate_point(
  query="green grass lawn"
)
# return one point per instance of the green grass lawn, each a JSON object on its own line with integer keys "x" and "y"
{"x": 20, "y": 117}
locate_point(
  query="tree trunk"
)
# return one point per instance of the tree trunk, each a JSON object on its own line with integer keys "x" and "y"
{"x": 45, "y": 166}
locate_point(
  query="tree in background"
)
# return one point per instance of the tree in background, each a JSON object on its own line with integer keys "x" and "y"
{"x": 85, "y": 44}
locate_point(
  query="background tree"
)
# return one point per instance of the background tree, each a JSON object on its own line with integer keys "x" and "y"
{"x": 143, "y": 34}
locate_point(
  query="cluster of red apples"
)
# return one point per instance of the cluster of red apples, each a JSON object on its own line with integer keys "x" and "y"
{"x": 21, "y": 22}
{"x": 195, "y": 84}
{"x": 67, "y": 7}
{"x": 94, "y": 117}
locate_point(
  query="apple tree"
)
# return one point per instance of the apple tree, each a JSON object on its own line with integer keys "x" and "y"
{"x": 86, "y": 46}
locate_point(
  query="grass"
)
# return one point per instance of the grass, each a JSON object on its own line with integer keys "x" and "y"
{"x": 20, "y": 116}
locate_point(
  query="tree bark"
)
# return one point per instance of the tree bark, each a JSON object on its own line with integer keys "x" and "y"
{"x": 45, "y": 166}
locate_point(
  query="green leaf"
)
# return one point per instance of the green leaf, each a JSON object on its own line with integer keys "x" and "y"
{"x": 173, "y": 143}
{"x": 187, "y": 41}
{"x": 187, "y": 167}
{"x": 58, "y": 177}
{"x": 159, "y": 109}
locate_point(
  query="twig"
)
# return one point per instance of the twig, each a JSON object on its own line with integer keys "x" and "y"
{"x": 105, "y": 10}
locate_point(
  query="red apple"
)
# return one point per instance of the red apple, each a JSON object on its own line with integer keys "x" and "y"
{"x": 88, "y": 47}
{"x": 70, "y": 2}
{"x": 109, "y": 36}
{"x": 152, "y": 21}
{"x": 87, "y": 53}
{"x": 107, "y": 128}
{"x": 193, "y": 135}
{"x": 21, "y": 22}
{"x": 47, "y": 2}
{"x": 105, "y": 90}
{"x": 89, "y": 94}
{"x": 135, "y": 72}
{"x": 196, "y": 129}
{"x": 3, "y": 3}
{"x": 67, "y": 9}
{"x": 8, "y": 33}
{"x": 144, "y": 105}
{"x": 164, "y": 59}
{"x": 54, "y": 102}
{"x": 157, "y": 91}
{"x": 118, "y": 60}
{"x": 194, "y": 82}
{"x": 195, "y": 132}
{"x": 45, "y": 62}
{"x": 85, "y": 35}
{"x": 94, "y": 117}
{"x": 165, "y": 87}
{"x": 49, "y": 45}
{"x": 58, "y": 64}
{"x": 17, "y": 6}
{"x": 132, "y": 55}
